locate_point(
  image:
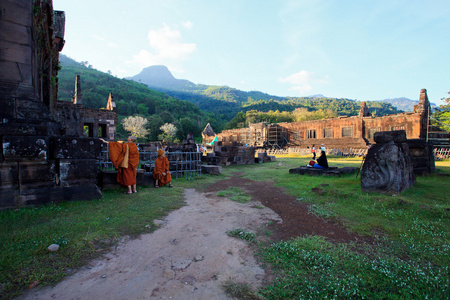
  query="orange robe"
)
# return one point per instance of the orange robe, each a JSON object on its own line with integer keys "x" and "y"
{"x": 125, "y": 157}
{"x": 162, "y": 165}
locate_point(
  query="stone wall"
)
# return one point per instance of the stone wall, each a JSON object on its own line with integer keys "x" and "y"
{"x": 73, "y": 118}
{"x": 343, "y": 132}
{"x": 44, "y": 157}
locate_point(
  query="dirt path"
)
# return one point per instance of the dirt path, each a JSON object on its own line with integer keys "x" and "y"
{"x": 190, "y": 256}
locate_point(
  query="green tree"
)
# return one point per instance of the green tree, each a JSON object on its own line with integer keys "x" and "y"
{"x": 154, "y": 124}
{"x": 442, "y": 114}
{"x": 188, "y": 125}
{"x": 142, "y": 109}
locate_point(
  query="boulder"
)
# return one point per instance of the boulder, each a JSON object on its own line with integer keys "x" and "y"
{"x": 212, "y": 169}
{"x": 387, "y": 167}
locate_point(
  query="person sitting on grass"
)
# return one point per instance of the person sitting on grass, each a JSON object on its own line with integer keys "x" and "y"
{"x": 322, "y": 162}
{"x": 161, "y": 172}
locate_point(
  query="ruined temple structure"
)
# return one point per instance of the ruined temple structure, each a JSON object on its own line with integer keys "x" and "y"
{"x": 341, "y": 132}
{"x": 45, "y": 154}
{"x": 79, "y": 121}
{"x": 208, "y": 134}
{"x": 388, "y": 167}
{"x": 230, "y": 155}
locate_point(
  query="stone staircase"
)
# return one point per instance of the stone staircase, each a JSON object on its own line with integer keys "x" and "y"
{"x": 438, "y": 137}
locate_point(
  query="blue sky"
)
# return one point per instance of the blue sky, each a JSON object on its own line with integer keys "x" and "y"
{"x": 357, "y": 49}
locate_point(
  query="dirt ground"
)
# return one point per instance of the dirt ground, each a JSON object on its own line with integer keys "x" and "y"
{"x": 190, "y": 256}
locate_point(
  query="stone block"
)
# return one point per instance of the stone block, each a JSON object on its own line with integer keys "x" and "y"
{"x": 31, "y": 109}
{"x": 23, "y": 148}
{"x": 107, "y": 179}
{"x": 39, "y": 194}
{"x": 145, "y": 179}
{"x": 45, "y": 194}
{"x": 272, "y": 157}
{"x": 211, "y": 169}
{"x": 85, "y": 192}
{"x": 75, "y": 148}
{"x": 15, "y": 52}
{"x": 76, "y": 171}
{"x": 258, "y": 160}
{"x": 17, "y": 12}
{"x": 8, "y": 198}
{"x": 9, "y": 174}
{"x": 34, "y": 172}
{"x": 332, "y": 171}
{"x": 14, "y": 32}
{"x": 348, "y": 170}
{"x": 8, "y": 110}
{"x": 398, "y": 136}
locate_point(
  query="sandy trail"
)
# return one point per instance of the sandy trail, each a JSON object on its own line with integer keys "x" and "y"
{"x": 188, "y": 257}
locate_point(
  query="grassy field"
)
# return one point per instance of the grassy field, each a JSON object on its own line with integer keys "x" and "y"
{"x": 410, "y": 259}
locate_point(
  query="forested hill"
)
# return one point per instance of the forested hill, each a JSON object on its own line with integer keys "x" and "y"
{"x": 227, "y": 102}
{"x": 191, "y": 106}
{"x": 132, "y": 99}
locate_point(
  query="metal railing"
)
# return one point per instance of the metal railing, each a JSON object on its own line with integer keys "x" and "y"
{"x": 181, "y": 164}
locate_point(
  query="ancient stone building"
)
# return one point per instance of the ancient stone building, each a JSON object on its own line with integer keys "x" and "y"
{"x": 342, "y": 132}
{"x": 44, "y": 154}
{"x": 79, "y": 121}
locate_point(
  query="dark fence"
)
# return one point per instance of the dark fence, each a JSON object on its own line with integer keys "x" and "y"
{"x": 181, "y": 164}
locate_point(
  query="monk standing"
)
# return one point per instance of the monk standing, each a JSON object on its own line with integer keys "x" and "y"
{"x": 161, "y": 172}
{"x": 125, "y": 157}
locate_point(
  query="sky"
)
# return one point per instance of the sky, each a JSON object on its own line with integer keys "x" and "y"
{"x": 357, "y": 49}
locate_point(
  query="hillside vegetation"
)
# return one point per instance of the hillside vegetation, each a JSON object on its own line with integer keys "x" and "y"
{"x": 133, "y": 98}
{"x": 191, "y": 106}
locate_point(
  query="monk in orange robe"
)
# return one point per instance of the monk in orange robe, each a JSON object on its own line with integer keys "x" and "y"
{"x": 125, "y": 157}
{"x": 161, "y": 172}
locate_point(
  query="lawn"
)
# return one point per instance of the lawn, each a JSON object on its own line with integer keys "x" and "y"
{"x": 409, "y": 260}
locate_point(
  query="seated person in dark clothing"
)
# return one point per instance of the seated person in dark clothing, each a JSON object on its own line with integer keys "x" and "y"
{"x": 322, "y": 162}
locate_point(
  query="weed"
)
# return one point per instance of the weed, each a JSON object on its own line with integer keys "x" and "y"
{"x": 242, "y": 234}
{"x": 321, "y": 210}
{"x": 240, "y": 291}
{"x": 235, "y": 194}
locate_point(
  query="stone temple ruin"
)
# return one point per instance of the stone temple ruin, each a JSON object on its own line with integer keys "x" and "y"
{"x": 49, "y": 148}
{"x": 341, "y": 132}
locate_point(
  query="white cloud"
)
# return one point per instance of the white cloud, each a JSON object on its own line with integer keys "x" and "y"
{"x": 102, "y": 39}
{"x": 188, "y": 24}
{"x": 303, "y": 81}
{"x": 166, "y": 48}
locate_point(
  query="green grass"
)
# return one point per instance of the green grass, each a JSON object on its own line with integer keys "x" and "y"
{"x": 235, "y": 194}
{"x": 411, "y": 256}
{"x": 82, "y": 229}
{"x": 410, "y": 259}
{"x": 312, "y": 268}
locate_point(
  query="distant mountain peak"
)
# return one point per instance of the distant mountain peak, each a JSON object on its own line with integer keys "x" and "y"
{"x": 317, "y": 96}
{"x": 159, "y": 76}
{"x": 158, "y": 71}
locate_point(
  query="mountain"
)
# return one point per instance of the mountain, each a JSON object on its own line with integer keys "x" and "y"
{"x": 133, "y": 98}
{"x": 191, "y": 106}
{"x": 159, "y": 77}
{"x": 226, "y": 102}
{"x": 404, "y": 104}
